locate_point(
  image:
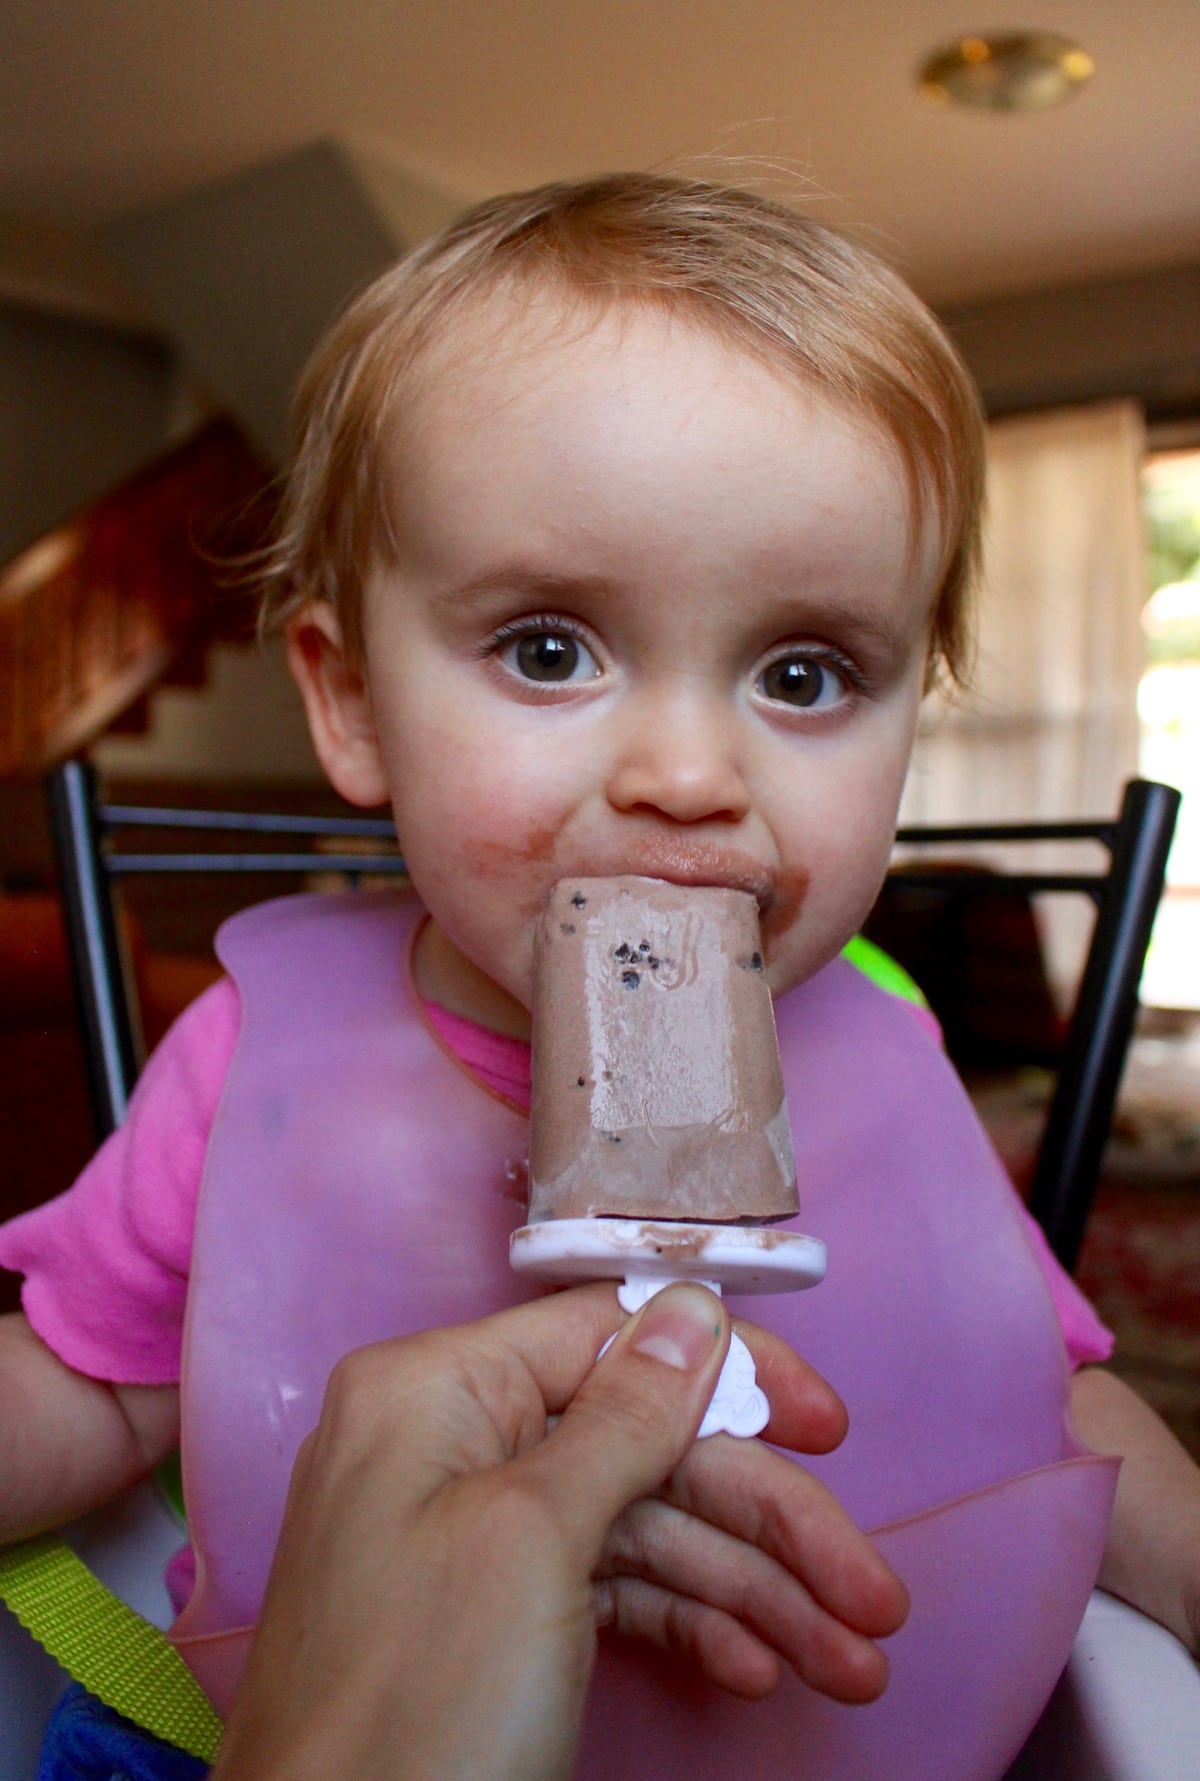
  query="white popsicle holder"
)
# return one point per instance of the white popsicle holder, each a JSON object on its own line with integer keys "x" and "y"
{"x": 646, "y": 1255}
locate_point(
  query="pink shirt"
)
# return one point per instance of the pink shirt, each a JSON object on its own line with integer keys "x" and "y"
{"x": 106, "y": 1264}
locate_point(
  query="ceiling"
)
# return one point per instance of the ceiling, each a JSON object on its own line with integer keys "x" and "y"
{"x": 107, "y": 105}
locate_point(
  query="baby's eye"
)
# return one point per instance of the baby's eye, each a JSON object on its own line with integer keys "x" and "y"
{"x": 805, "y": 682}
{"x": 550, "y": 658}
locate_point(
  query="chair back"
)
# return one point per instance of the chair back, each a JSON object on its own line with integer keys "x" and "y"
{"x": 1092, "y": 1050}
{"x": 98, "y": 844}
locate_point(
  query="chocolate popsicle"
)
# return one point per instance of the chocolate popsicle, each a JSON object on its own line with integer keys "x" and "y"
{"x": 657, "y": 1091}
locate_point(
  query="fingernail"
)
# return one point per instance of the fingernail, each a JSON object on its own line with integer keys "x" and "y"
{"x": 679, "y": 1327}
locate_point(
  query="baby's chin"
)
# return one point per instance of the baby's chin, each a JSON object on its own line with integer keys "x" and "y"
{"x": 449, "y": 976}
{"x": 781, "y": 980}
{"x": 789, "y": 966}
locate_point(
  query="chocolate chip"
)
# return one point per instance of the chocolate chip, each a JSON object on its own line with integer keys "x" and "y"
{"x": 579, "y": 901}
{"x": 631, "y": 979}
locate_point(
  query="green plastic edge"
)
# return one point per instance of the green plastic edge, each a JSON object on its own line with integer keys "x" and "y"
{"x": 882, "y": 969}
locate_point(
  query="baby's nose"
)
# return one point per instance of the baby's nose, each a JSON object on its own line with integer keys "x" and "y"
{"x": 679, "y": 760}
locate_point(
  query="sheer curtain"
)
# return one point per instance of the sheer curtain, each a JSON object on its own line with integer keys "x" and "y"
{"x": 1049, "y": 728}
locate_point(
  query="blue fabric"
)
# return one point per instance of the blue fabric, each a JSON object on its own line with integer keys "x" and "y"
{"x": 87, "y": 1741}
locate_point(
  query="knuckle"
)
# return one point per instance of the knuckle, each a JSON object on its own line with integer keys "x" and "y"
{"x": 370, "y": 1388}
{"x": 351, "y": 1385}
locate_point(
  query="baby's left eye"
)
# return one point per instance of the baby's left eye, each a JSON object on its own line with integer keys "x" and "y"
{"x": 804, "y": 682}
{"x": 548, "y": 657}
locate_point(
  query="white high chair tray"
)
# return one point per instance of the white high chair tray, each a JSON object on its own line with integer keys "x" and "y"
{"x": 1126, "y": 1709}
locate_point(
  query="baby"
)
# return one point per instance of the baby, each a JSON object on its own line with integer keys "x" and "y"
{"x": 627, "y": 525}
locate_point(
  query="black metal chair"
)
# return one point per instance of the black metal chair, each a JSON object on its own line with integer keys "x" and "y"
{"x": 94, "y": 852}
{"x": 1093, "y": 1049}
{"x": 98, "y": 844}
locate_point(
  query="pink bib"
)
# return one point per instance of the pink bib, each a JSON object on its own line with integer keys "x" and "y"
{"x": 360, "y": 1185}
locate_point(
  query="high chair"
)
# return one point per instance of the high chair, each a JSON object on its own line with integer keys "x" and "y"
{"x": 1128, "y": 1705}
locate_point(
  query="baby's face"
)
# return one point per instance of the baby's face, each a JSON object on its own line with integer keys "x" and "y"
{"x": 656, "y": 612}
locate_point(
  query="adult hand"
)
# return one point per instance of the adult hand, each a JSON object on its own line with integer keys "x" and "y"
{"x": 431, "y": 1608}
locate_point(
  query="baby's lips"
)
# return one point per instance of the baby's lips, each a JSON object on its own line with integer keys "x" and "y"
{"x": 674, "y": 860}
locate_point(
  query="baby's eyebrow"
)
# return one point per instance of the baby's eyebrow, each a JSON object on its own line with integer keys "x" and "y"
{"x": 544, "y": 586}
{"x": 857, "y": 624}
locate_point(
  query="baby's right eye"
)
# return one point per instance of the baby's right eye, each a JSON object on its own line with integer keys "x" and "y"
{"x": 548, "y": 657}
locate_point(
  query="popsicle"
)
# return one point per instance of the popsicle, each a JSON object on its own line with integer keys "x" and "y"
{"x": 660, "y": 1145}
{"x": 657, "y": 1091}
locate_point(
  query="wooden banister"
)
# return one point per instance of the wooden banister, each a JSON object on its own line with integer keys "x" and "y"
{"x": 93, "y": 614}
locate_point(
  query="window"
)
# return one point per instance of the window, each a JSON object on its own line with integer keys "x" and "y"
{"x": 1169, "y": 712}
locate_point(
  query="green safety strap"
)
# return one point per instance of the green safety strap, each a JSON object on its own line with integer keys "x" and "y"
{"x": 101, "y": 1641}
{"x": 120, "y": 1657}
{"x": 882, "y": 969}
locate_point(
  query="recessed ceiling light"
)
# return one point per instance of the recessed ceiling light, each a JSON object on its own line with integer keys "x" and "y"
{"x": 1008, "y": 71}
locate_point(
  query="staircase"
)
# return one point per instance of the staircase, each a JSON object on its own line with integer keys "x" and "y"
{"x": 95, "y": 617}
{"x": 127, "y": 596}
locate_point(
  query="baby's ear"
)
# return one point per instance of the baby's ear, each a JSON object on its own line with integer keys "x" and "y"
{"x": 338, "y": 705}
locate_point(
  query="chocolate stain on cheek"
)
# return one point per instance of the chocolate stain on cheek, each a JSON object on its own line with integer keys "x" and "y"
{"x": 790, "y": 890}
{"x": 494, "y": 861}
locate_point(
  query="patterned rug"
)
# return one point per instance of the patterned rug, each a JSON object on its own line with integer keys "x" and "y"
{"x": 1140, "y": 1266}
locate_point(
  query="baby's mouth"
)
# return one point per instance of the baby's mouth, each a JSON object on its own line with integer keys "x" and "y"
{"x": 676, "y": 862}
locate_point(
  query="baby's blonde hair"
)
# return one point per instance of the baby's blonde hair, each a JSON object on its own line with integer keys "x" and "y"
{"x": 800, "y": 297}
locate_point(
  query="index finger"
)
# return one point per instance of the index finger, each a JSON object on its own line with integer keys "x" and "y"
{"x": 807, "y": 1415}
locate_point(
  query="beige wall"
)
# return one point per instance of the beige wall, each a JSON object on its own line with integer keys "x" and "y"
{"x": 1137, "y": 336}
{"x": 246, "y": 723}
{"x": 81, "y": 406}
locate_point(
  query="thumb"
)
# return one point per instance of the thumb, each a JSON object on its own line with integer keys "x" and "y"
{"x": 635, "y": 1415}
